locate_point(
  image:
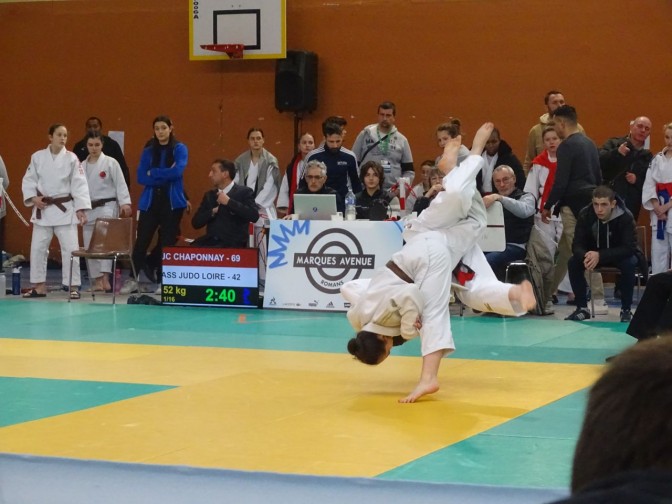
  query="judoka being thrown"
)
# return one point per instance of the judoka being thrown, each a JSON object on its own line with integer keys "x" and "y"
{"x": 410, "y": 296}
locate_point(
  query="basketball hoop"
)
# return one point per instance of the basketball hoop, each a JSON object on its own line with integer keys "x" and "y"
{"x": 233, "y": 51}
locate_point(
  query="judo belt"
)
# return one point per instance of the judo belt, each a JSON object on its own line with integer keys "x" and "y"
{"x": 391, "y": 265}
{"x": 101, "y": 202}
{"x": 53, "y": 201}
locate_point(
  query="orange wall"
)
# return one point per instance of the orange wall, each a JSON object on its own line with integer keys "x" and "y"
{"x": 127, "y": 61}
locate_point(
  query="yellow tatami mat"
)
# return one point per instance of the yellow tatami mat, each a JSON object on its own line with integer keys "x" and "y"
{"x": 265, "y": 410}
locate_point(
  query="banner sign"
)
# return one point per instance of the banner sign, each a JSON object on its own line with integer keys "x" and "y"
{"x": 308, "y": 261}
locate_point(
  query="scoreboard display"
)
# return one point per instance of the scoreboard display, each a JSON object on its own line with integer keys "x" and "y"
{"x": 195, "y": 276}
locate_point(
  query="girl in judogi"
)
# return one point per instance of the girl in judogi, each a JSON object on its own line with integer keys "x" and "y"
{"x": 410, "y": 296}
{"x": 55, "y": 186}
{"x": 657, "y": 198}
{"x": 109, "y": 198}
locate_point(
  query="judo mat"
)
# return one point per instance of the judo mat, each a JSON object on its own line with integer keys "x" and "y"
{"x": 275, "y": 392}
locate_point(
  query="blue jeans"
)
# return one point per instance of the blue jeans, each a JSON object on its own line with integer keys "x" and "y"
{"x": 499, "y": 260}
{"x": 579, "y": 286}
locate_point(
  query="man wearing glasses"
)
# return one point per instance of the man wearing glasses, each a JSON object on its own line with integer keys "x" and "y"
{"x": 316, "y": 178}
{"x": 519, "y": 208}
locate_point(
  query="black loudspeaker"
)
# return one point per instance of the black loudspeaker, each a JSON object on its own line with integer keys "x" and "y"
{"x": 296, "y": 82}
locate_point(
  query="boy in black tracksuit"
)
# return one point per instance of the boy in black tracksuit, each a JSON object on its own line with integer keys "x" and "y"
{"x": 605, "y": 236}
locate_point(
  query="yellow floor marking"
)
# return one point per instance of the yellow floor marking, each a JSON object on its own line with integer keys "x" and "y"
{"x": 294, "y": 412}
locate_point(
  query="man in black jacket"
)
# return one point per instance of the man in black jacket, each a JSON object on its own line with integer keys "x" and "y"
{"x": 110, "y": 147}
{"x": 605, "y": 236}
{"x": 624, "y": 162}
{"x": 227, "y": 210}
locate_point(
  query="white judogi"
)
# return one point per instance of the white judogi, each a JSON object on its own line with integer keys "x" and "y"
{"x": 551, "y": 232}
{"x": 660, "y": 172}
{"x": 105, "y": 180}
{"x": 55, "y": 176}
{"x": 436, "y": 241}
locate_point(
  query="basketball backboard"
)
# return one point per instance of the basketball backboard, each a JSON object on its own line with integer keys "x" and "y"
{"x": 258, "y": 24}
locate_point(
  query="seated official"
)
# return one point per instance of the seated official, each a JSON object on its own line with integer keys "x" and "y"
{"x": 316, "y": 178}
{"x": 372, "y": 177}
{"x": 435, "y": 186}
{"x": 519, "y": 208}
{"x": 605, "y": 235}
{"x": 227, "y": 210}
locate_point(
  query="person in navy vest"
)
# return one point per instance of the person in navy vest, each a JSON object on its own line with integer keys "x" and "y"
{"x": 519, "y": 208}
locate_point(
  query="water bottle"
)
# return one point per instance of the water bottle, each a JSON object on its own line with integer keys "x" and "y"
{"x": 350, "y": 208}
{"x": 16, "y": 281}
{"x": 3, "y": 283}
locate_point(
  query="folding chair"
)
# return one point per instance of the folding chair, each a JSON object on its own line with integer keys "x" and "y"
{"x": 112, "y": 239}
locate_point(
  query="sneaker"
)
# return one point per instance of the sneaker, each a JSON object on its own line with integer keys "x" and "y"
{"x": 626, "y": 315}
{"x": 601, "y": 308}
{"x": 548, "y": 309}
{"x": 129, "y": 287}
{"x": 158, "y": 289}
{"x": 579, "y": 314}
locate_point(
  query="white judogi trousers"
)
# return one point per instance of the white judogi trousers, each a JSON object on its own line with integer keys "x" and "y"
{"x": 39, "y": 252}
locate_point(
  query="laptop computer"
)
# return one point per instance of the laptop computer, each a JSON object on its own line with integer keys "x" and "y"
{"x": 315, "y": 206}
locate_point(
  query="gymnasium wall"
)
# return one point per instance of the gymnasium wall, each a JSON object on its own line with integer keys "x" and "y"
{"x": 127, "y": 61}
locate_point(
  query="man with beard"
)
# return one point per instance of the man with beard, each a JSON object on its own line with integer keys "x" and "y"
{"x": 341, "y": 163}
{"x": 535, "y": 143}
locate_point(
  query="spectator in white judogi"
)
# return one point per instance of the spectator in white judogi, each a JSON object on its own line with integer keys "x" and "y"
{"x": 55, "y": 186}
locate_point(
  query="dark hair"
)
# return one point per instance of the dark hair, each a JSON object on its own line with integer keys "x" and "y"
{"x": 452, "y": 127}
{"x": 603, "y": 191}
{"x": 94, "y": 118}
{"x": 226, "y": 166}
{"x": 340, "y": 120}
{"x": 568, "y": 113}
{"x": 549, "y": 94}
{"x": 54, "y": 127}
{"x": 428, "y": 162}
{"x": 377, "y": 168}
{"x": 157, "y": 147}
{"x": 387, "y": 105}
{"x": 367, "y": 347}
{"x": 331, "y": 128}
{"x": 627, "y": 422}
{"x": 496, "y": 130}
{"x": 252, "y": 130}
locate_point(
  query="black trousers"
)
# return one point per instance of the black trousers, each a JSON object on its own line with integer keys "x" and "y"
{"x": 161, "y": 217}
{"x": 654, "y": 313}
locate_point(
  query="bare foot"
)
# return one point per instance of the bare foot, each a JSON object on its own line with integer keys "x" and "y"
{"x": 449, "y": 159}
{"x": 524, "y": 295}
{"x": 421, "y": 389}
{"x": 481, "y": 137}
{"x": 106, "y": 282}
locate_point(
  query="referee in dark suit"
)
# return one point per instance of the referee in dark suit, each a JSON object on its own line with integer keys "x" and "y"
{"x": 226, "y": 211}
